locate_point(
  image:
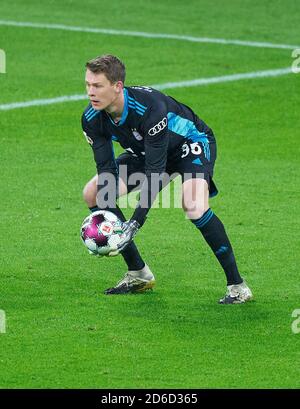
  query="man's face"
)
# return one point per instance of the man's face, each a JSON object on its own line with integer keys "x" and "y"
{"x": 102, "y": 93}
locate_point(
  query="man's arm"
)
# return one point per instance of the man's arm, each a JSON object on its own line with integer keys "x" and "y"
{"x": 155, "y": 131}
{"x": 156, "y": 147}
{"x": 105, "y": 163}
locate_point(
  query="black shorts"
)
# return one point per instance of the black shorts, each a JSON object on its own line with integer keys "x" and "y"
{"x": 193, "y": 160}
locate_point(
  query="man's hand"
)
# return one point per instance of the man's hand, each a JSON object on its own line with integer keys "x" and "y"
{"x": 130, "y": 228}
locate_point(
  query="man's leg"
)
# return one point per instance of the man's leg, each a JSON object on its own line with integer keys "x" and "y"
{"x": 196, "y": 205}
{"x": 138, "y": 277}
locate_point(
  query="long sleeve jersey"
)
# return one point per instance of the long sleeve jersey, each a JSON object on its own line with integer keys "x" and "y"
{"x": 153, "y": 126}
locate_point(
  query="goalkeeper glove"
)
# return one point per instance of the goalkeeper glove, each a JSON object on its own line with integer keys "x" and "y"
{"x": 130, "y": 229}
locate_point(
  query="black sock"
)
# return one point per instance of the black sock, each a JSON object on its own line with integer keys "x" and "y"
{"x": 131, "y": 254}
{"x": 94, "y": 209}
{"x": 215, "y": 235}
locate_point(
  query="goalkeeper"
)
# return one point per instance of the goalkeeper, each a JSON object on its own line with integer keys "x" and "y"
{"x": 160, "y": 136}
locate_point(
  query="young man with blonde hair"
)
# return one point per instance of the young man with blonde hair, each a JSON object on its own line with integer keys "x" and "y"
{"x": 160, "y": 136}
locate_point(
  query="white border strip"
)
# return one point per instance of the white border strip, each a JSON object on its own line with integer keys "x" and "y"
{"x": 224, "y": 78}
{"x": 147, "y": 35}
{"x": 167, "y": 85}
{"x": 40, "y": 102}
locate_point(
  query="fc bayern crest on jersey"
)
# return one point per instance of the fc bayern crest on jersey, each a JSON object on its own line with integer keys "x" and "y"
{"x": 137, "y": 136}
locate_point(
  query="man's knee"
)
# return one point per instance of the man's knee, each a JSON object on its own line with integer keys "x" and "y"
{"x": 90, "y": 192}
{"x": 195, "y": 212}
{"x": 195, "y": 198}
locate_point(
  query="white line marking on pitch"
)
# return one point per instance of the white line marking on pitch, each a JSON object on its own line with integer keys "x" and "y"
{"x": 191, "y": 83}
{"x": 147, "y": 35}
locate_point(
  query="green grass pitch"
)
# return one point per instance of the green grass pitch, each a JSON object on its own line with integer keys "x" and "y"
{"x": 61, "y": 331}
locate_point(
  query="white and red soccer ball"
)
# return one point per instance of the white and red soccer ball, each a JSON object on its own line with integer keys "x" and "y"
{"x": 101, "y": 232}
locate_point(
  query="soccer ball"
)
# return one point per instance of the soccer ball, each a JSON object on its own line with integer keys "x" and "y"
{"x": 101, "y": 232}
